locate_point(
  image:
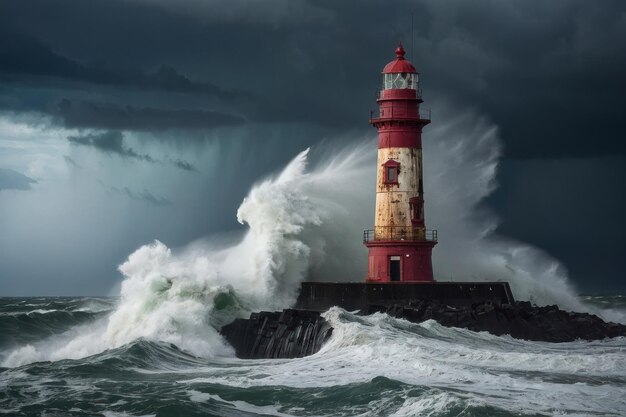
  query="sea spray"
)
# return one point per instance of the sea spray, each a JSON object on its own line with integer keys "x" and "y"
{"x": 170, "y": 296}
{"x": 460, "y": 160}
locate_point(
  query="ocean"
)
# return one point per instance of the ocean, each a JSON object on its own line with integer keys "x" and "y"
{"x": 372, "y": 366}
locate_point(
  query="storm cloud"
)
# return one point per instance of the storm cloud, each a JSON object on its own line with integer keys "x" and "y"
{"x": 549, "y": 74}
{"x": 215, "y": 95}
{"x": 111, "y": 116}
{"x": 25, "y": 59}
{"x": 112, "y": 142}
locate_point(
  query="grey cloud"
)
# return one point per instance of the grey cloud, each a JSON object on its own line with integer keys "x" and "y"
{"x": 144, "y": 195}
{"x": 111, "y": 142}
{"x": 112, "y": 116}
{"x": 285, "y": 13}
{"x": 71, "y": 162}
{"x": 24, "y": 58}
{"x": 184, "y": 165}
{"x": 13, "y": 180}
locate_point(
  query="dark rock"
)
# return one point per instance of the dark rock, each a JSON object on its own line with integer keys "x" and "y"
{"x": 286, "y": 334}
{"x": 521, "y": 320}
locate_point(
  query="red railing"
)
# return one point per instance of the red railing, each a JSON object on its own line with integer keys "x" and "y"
{"x": 399, "y": 233}
{"x": 398, "y": 112}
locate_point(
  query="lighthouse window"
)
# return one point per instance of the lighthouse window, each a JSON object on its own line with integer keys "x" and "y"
{"x": 391, "y": 169}
{"x": 416, "y": 205}
{"x": 402, "y": 80}
{"x": 388, "y": 81}
{"x": 416, "y": 212}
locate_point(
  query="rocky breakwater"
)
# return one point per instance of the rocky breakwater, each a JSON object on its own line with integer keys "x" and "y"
{"x": 520, "y": 320}
{"x": 297, "y": 333}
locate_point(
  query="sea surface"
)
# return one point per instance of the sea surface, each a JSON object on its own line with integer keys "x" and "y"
{"x": 372, "y": 366}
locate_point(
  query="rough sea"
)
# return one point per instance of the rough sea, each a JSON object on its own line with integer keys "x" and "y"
{"x": 372, "y": 366}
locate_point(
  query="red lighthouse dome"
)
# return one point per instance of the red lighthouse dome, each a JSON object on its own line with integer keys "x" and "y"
{"x": 400, "y": 64}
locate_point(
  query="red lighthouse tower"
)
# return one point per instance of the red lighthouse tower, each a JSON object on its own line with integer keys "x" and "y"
{"x": 400, "y": 247}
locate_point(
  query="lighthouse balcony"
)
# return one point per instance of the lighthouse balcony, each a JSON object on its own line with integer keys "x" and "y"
{"x": 399, "y": 233}
{"x": 396, "y": 112}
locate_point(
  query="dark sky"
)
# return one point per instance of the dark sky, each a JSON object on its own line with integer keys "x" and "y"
{"x": 125, "y": 121}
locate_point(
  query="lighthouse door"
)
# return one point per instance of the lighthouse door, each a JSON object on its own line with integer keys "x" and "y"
{"x": 394, "y": 268}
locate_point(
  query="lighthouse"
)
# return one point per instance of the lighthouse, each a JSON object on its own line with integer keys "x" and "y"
{"x": 399, "y": 247}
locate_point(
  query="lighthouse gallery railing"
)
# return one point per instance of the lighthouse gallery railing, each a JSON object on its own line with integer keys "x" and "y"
{"x": 400, "y": 113}
{"x": 399, "y": 233}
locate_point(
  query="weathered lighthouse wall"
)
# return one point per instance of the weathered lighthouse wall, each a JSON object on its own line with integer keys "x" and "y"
{"x": 393, "y": 217}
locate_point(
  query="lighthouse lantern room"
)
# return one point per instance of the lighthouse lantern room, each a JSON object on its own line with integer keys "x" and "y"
{"x": 400, "y": 246}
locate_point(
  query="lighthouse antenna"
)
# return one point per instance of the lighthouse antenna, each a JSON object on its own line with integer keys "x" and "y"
{"x": 412, "y": 57}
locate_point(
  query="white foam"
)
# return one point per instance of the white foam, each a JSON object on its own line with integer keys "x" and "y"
{"x": 269, "y": 410}
{"x": 455, "y": 367}
{"x": 118, "y": 414}
{"x": 41, "y": 311}
{"x": 431, "y": 405}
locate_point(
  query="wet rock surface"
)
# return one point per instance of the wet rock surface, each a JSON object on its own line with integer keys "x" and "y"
{"x": 520, "y": 319}
{"x": 286, "y": 334}
{"x": 297, "y": 333}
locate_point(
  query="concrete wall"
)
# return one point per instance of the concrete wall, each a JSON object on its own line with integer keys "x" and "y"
{"x": 320, "y": 296}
